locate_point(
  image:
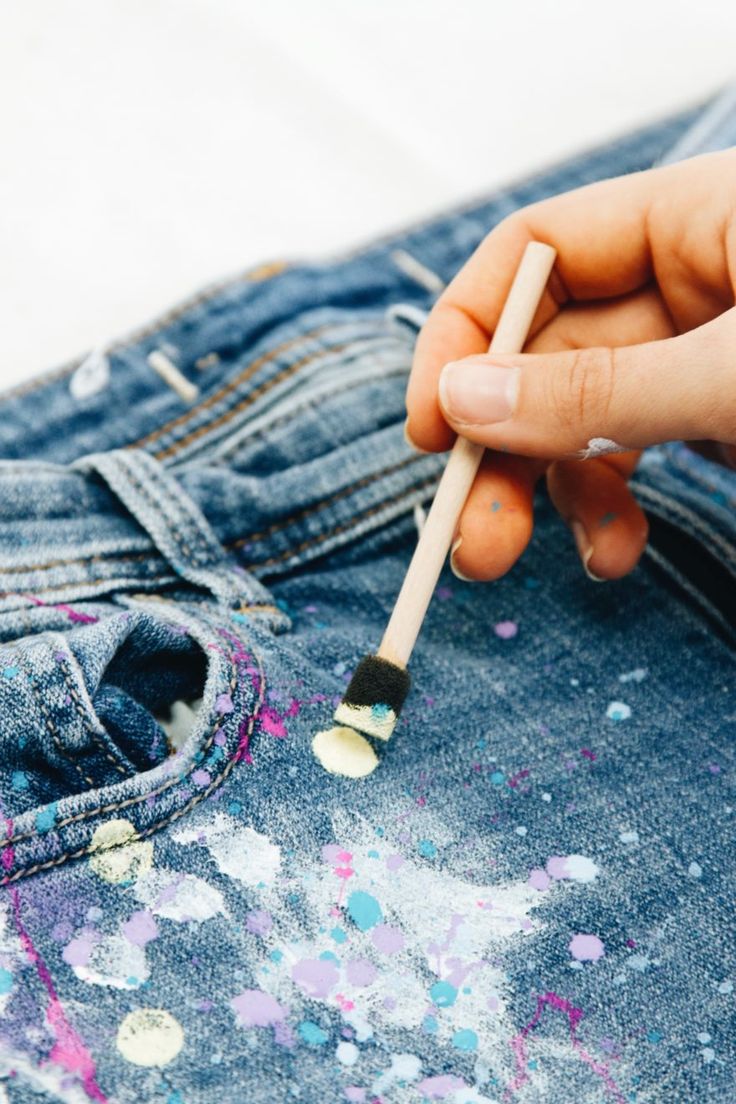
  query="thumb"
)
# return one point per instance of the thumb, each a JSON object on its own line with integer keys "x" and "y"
{"x": 591, "y": 401}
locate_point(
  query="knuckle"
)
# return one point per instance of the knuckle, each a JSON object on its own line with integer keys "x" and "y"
{"x": 581, "y": 392}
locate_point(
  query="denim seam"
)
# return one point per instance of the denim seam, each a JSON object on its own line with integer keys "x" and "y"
{"x": 282, "y": 524}
{"x": 243, "y": 376}
{"x": 344, "y": 492}
{"x": 54, "y": 733}
{"x": 312, "y": 542}
{"x": 706, "y": 534}
{"x": 117, "y": 805}
{"x": 243, "y": 404}
{"x": 231, "y": 452}
{"x": 82, "y": 714}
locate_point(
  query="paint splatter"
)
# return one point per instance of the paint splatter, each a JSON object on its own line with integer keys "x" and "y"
{"x": 586, "y": 948}
{"x": 618, "y": 711}
{"x": 506, "y": 630}
{"x": 364, "y": 910}
{"x": 255, "y": 1008}
{"x": 119, "y": 856}
{"x": 150, "y": 1037}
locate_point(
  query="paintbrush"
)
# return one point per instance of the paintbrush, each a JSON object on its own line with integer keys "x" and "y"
{"x": 377, "y": 690}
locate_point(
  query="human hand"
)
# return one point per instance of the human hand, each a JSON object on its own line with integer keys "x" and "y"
{"x": 634, "y": 343}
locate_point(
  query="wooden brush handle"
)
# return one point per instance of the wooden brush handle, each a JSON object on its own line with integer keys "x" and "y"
{"x": 457, "y": 479}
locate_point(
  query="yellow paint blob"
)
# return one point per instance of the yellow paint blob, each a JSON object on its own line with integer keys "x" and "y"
{"x": 118, "y": 855}
{"x": 344, "y": 751}
{"x": 150, "y": 1037}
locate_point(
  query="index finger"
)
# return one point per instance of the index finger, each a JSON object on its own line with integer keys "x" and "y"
{"x": 600, "y": 234}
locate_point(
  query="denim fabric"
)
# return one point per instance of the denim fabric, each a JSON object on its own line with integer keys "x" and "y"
{"x": 531, "y": 899}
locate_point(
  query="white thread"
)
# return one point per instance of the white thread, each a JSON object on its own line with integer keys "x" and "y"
{"x": 171, "y": 375}
{"x": 420, "y": 517}
{"x": 600, "y": 446}
{"x": 415, "y": 270}
{"x": 92, "y": 375}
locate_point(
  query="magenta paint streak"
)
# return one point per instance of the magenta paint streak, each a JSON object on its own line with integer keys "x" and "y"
{"x": 574, "y": 1016}
{"x": 72, "y": 614}
{"x": 69, "y": 1049}
{"x": 8, "y": 856}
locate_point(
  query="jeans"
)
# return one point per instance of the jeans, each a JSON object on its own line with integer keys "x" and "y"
{"x": 531, "y": 898}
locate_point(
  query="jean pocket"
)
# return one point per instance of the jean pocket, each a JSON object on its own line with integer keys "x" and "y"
{"x": 85, "y": 759}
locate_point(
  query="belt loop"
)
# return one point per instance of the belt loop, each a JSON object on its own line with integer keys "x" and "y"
{"x": 176, "y": 525}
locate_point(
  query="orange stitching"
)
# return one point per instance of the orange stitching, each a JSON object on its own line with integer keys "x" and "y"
{"x": 54, "y": 733}
{"x": 321, "y": 537}
{"x": 113, "y": 806}
{"x": 241, "y": 378}
{"x": 97, "y": 558}
{"x": 244, "y": 403}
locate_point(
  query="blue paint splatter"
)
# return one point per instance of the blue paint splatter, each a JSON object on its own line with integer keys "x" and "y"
{"x": 364, "y": 910}
{"x": 607, "y": 519}
{"x": 312, "y": 1034}
{"x": 429, "y": 1025}
{"x": 427, "y": 849}
{"x": 46, "y": 817}
{"x": 443, "y": 994}
{"x": 495, "y": 507}
{"x": 19, "y": 780}
{"x": 339, "y": 935}
{"x": 465, "y": 1039}
{"x": 6, "y": 981}
{"x": 10, "y": 672}
{"x": 498, "y": 778}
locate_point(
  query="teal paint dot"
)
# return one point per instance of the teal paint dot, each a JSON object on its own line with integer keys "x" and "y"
{"x": 276, "y": 956}
{"x": 495, "y": 507}
{"x": 175, "y": 1097}
{"x": 429, "y": 1025}
{"x": 364, "y": 910}
{"x": 373, "y": 855}
{"x": 239, "y": 617}
{"x": 607, "y": 519}
{"x": 46, "y": 817}
{"x": 10, "y": 672}
{"x": 443, "y": 994}
{"x": 498, "y": 778}
{"x": 380, "y": 710}
{"x": 339, "y": 935}
{"x": 6, "y": 981}
{"x": 465, "y": 1039}
{"x": 380, "y": 831}
{"x": 428, "y": 849}
{"x": 532, "y": 1064}
{"x": 312, "y": 1034}
{"x": 654, "y": 1036}
{"x": 19, "y": 780}
{"x": 467, "y": 989}
{"x": 328, "y": 956}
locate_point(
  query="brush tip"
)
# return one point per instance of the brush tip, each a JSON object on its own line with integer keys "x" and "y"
{"x": 374, "y": 697}
{"x": 344, "y": 751}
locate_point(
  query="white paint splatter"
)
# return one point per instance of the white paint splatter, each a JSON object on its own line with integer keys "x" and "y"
{"x": 180, "y": 897}
{"x": 599, "y": 446}
{"x": 119, "y": 856}
{"x": 116, "y": 963}
{"x": 239, "y": 852}
{"x": 404, "y": 1067}
{"x": 618, "y": 711}
{"x": 150, "y": 1037}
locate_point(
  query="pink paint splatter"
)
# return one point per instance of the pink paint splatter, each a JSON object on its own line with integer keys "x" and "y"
{"x": 316, "y": 977}
{"x": 539, "y": 879}
{"x": 272, "y": 722}
{"x": 73, "y": 615}
{"x": 588, "y": 754}
{"x": 586, "y": 948}
{"x": 574, "y": 1016}
{"x": 69, "y": 1049}
{"x": 506, "y": 630}
{"x": 255, "y": 1008}
{"x": 141, "y": 928}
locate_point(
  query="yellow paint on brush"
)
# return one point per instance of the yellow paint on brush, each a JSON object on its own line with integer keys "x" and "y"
{"x": 344, "y": 751}
{"x": 374, "y": 720}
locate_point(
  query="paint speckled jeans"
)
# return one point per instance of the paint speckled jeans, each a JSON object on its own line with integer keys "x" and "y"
{"x": 530, "y": 900}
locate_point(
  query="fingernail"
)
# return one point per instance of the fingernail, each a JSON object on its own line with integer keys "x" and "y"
{"x": 453, "y": 565}
{"x": 476, "y": 391}
{"x": 585, "y": 549}
{"x": 409, "y": 441}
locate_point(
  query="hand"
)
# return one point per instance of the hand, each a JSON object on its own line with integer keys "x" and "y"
{"x": 634, "y": 343}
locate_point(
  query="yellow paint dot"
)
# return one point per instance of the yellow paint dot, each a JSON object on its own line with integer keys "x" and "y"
{"x": 150, "y": 1037}
{"x": 118, "y": 855}
{"x": 344, "y": 751}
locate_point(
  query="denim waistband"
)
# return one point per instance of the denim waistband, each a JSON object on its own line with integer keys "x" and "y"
{"x": 294, "y": 444}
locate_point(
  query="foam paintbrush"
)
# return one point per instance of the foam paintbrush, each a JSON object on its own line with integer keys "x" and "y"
{"x": 367, "y": 715}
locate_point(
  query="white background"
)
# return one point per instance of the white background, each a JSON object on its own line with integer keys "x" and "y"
{"x": 148, "y": 147}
